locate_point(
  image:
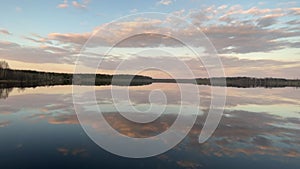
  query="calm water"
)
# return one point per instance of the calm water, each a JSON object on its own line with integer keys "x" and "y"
{"x": 259, "y": 129}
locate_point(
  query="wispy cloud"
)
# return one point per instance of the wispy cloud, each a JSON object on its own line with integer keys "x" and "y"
{"x": 133, "y": 10}
{"x": 230, "y": 29}
{"x": 18, "y": 9}
{"x": 82, "y": 5}
{"x": 295, "y": 10}
{"x": 47, "y": 53}
{"x": 165, "y": 2}
{"x": 63, "y": 5}
{"x": 41, "y": 54}
{"x": 4, "y": 31}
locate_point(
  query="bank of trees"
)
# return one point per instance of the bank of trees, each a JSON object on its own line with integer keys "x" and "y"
{"x": 249, "y": 82}
{"x": 30, "y": 78}
{"x": 20, "y": 78}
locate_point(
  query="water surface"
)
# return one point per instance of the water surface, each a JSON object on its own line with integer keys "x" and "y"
{"x": 259, "y": 129}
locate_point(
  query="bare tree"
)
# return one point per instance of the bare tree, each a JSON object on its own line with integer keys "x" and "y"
{"x": 3, "y": 69}
{"x": 4, "y": 65}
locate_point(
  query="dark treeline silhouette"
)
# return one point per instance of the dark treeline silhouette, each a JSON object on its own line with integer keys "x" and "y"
{"x": 10, "y": 78}
{"x": 27, "y": 78}
{"x": 240, "y": 82}
{"x": 249, "y": 82}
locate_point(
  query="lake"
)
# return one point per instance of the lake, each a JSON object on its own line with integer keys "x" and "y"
{"x": 259, "y": 128}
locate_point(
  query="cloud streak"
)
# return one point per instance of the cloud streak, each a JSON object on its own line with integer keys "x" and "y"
{"x": 230, "y": 29}
{"x": 63, "y": 5}
{"x": 5, "y": 32}
{"x": 82, "y": 5}
{"x": 165, "y": 2}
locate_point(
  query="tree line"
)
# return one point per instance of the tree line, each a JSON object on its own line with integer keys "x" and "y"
{"x": 30, "y": 78}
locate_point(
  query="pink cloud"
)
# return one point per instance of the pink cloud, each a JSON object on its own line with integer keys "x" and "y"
{"x": 63, "y": 5}
{"x": 4, "y": 31}
{"x": 82, "y": 5}
{"x": 76, "y": 38}
{"x": 295, "y": 10}
{"x": 165, "y": 2}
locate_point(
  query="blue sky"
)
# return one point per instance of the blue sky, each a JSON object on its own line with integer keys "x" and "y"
{"x": 42, "y": 17}
{"x": 41, "y": 26}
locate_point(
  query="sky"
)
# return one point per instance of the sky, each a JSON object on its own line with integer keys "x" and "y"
{"x": 251, "y": 38}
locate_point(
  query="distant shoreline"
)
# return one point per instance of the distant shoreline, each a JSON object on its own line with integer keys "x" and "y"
{"x": 10, "y": 78}
{"x": 240, "y": 82}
